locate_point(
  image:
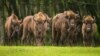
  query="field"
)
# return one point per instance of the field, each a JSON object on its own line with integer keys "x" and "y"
{"x": 48, "y": 51}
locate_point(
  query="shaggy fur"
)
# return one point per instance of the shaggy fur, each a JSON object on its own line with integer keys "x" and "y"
{"x": 89, "y": 29}
{"x": 12, "y": 26}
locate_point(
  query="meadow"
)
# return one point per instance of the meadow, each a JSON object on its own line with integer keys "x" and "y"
{"x": 48, "y": 51}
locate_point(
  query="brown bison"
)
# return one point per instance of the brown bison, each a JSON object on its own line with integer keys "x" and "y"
{"x": 89, "y": 29}
{"x": 28, "y": 29}
{"x": 12, "y": 27}
{"x": 72, "y": 22}
{"x": 35, "y": 25}
{"x": 59, "y": 29}
{"x": 41, "y": 26}
{"x": 64, "y": 27}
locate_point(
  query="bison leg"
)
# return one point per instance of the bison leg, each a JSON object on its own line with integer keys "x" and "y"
{"x": 70, "y": 40}
{"x": 84, "y": 41}
{"x": 74, "y": 40}
{"x": 39, "y": 40}
{"x": 27, "y": 39}
{"x": 92, "y": 44}
{"x": 57, "y": 38}
{"x": 5, "y": 39}
{"x": 62, "y": 38}
{"x": 92, "y": 41}
{"x": 24, "y": 36}
{"x": 32, "y": 38}
{"x": 54, "y": 36}
{"x": 9, "y": 37}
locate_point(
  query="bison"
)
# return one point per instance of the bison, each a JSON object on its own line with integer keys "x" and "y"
{"x": 12, "y": 27}
{"x": 89, "y": 29}
{"x": 72, "y": 22}
{"x": 37, "y": 26}
{"x": 41, "y": 26}
{"x": 28, "y": 29}
{"x": 59, "y": 29}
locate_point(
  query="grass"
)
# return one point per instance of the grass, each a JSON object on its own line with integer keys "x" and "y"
{"x": 48, "y": 51}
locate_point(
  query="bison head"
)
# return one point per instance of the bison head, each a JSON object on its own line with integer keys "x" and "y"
{"x": 40, "y": 27}
{"x": 72, "y": 17}
{"x": 88, "y": 21}
{"x": 41, "y": 21}
{"x": 16, "y": 27}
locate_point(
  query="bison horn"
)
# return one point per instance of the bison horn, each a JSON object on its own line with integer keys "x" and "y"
{"x": 34, "y": 19}
{"x": 94, "y": 19}
{"x": 84, "y": 17}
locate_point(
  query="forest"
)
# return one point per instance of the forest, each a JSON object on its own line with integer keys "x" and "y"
{"x": 23, "y": 8}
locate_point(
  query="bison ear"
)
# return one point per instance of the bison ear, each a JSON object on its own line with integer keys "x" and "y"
{"x": 77, "y": 16}
{"x": 93, "y": 17}
{"x": 84, "y": 17}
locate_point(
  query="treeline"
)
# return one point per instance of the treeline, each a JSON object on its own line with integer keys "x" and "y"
{"x": 23, "y": 8}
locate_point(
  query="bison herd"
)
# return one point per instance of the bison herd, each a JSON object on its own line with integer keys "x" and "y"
{"x": 66, "y": 28}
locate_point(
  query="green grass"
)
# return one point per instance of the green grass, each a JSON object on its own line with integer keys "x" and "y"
{"x": 48, "y": 51}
